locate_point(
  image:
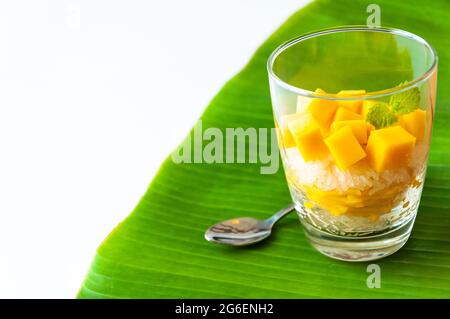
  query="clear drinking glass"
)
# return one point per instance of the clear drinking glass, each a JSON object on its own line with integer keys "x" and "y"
{"x": 353, "y": 109}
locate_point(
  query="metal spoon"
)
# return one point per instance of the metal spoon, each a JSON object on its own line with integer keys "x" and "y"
{"x": 245, "y": 230}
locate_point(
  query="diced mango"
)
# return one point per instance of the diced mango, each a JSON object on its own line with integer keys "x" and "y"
{"x": 344, "y": 147}
{"x": 308, "y": 138}
{"x": 352, "y": 105}
{"x": 282, "y": 141}
{"x": 323, "y": 111}
{"x": 389, "y": 148}
{"x": 366, "y": 105}
{"x": 286, "y": 138}
{"x": 359, "y": 129}
{"x": 352, "y": 92}
{"x": 343, "y": 114}
{"x": 370, "y": 128}
{"x": 302, "y": 103}
{"x": 414, "y": 123}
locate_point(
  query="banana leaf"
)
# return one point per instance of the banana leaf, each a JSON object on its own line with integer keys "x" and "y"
{"x": 159, "y": 250}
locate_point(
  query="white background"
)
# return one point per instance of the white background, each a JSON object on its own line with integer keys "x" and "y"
{"x": 93, "y": 96}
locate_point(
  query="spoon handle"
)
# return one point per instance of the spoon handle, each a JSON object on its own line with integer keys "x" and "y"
{"x": 280, "y": 214}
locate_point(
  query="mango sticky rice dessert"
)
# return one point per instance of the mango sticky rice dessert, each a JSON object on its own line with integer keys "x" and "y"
{"x": 353, "y": 109}
{"x": 352, "y": 162}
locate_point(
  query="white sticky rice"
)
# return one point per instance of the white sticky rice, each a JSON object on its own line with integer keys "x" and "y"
{"x": 327, "y": 176}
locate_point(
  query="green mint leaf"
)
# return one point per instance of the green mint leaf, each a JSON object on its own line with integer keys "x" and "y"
{"x": 380, "y": 115}
{"x": 405, "y": 102}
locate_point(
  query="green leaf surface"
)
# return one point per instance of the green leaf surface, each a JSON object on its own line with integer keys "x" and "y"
{"x": 159, "y": 250}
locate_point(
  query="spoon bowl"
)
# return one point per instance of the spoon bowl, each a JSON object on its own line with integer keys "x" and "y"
{"x": 244, "y": 230}
{"x": 239, "y": 231}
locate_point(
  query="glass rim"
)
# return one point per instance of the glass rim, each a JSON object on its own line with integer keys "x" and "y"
{"x": 374, "y": 94}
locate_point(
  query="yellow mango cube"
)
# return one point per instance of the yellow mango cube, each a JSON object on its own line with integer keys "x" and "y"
{"x": 352, "y": 105}
{"x": 366, "y": 105}
{"x": 389, "y": 148}
{"x": 415, "y": 123}
{"x": 302, "y": 103}
{"x": 359, "y": 129}
{"x": 344, "y": 147}
{"x": 370, "y": 128}
{"x": 308, "y": 138}
{"x": 323, "y": 111}
{"x": 286, "y": 139}
{"x": 343, "y": 114}
{"x": 352, "y": 92}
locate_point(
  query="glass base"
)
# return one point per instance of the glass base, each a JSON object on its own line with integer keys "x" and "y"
{"x": 362, "y": 248}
